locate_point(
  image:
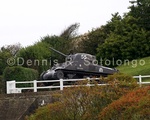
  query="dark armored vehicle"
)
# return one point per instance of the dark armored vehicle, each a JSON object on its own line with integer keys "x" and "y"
{"x": 77, "y": 65}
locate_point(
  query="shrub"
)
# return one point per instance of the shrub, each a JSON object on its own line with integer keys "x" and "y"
{"x": 122, "y": 80}
{"x": 19, "y": 73}
{"x": 82, "y": 102}
{"x": 36, "y": 54}
{"x": 134, "y": 106}
{"x": 49, "y": 112}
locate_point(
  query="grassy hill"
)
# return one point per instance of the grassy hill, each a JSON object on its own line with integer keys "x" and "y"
{"x": 136, "y": 67}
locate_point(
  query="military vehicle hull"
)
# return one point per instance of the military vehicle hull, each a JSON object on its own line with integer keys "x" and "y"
{"x": 71, "y": 74}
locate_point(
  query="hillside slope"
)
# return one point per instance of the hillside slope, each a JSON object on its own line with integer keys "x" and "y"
{"x": 136, "y": 67}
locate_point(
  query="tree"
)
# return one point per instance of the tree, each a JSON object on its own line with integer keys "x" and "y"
{"x": 140, "y": 10}
{"x": 36, "y": 57}
{"x": 90, "y": 43}
{"x": 13, "y": 49}
{"x": 7, "y": 52}
{"x": 64, "y": 42}
{"x": 70, "y": 32}
{"x": 126, "y": 41}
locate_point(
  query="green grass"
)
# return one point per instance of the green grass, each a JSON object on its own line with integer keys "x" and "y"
{"x": 136, "y": 67}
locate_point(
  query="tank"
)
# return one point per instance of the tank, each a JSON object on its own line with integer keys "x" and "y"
{"x": 79, "y": 65}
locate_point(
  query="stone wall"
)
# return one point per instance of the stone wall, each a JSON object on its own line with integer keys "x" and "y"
{"x": 17, "y": 106}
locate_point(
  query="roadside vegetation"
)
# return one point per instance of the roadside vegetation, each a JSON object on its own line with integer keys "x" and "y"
{"x": 19, "y": 73}
{"x": 133, "y": 106}
{"x": 122, "y": 98}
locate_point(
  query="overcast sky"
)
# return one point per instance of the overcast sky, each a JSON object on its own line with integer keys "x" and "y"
{"x": 26, "y": 21}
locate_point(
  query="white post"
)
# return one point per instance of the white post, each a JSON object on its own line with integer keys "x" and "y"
{"x": 88, "y": 84}
{"x": 35, "y": 85}
{"x": 11, "y": 86}
{"x": 61, "y": 84}
{"x": 140, "y": 80}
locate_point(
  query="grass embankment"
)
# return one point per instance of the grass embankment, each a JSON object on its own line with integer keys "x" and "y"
{"x": 136, "y": 67}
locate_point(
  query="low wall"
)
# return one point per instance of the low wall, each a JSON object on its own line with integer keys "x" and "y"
{"x": 17, "y": 106}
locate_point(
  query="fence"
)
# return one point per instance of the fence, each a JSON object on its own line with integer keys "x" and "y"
{"x": 140, "y": 79}
{"x": 11, "y": 85}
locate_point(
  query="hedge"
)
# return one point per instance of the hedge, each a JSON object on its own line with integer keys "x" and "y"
{"x": 19, "y": 73}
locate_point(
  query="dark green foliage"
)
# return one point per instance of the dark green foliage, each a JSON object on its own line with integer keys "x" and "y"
{"x": 53, "y": 41}
{"x": 34, "y": 57}
{"x": 93, "y": 38}
{"x": 99, "y": 36}
{"x": 19, "y": 73}
{"x": 7, "y": 52}
{"x": 140, "y": 10}
{"x": 3, "y": 60}
{"x": 128, "y": 37}
{"x": 59, "y": 43}
{"x": 122, "y": 38}
{"x": 4, "y": 55}
{"x": 126, "y": 41}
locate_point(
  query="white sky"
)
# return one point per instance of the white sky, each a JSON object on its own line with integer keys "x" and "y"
{"x": 26, "y": 21}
